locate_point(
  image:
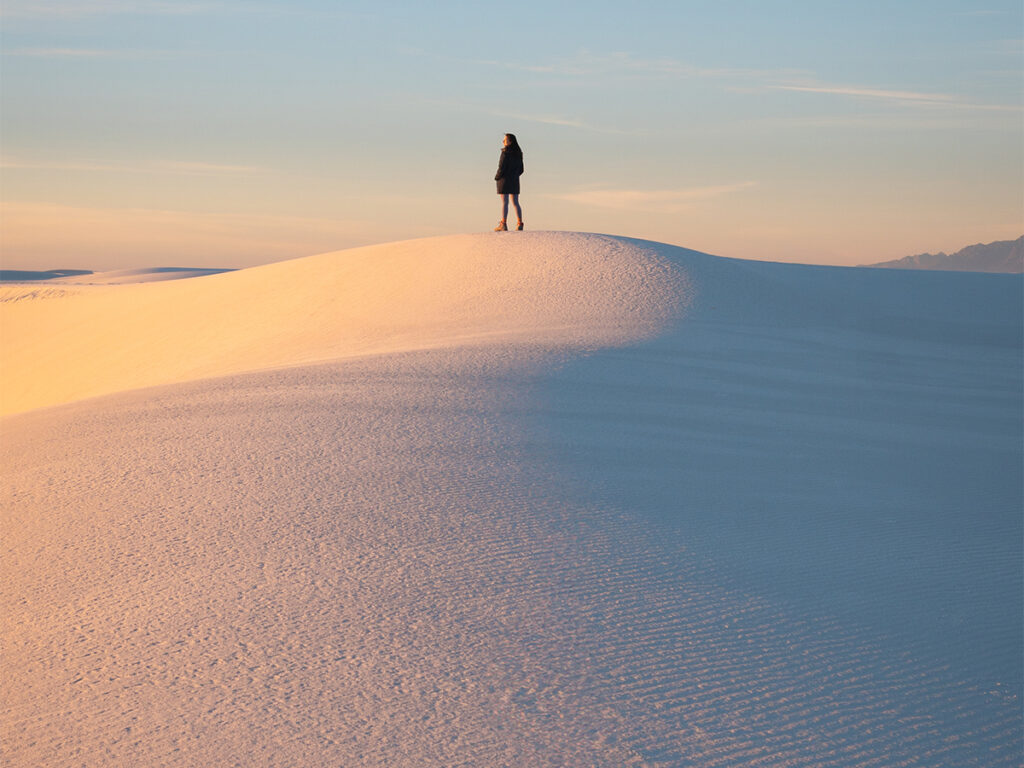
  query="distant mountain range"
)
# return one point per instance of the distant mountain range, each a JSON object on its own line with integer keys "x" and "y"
{"x": 1002, "y": 256}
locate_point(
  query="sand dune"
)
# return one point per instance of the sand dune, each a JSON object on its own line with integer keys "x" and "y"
{"x": 145, "y": 275}
{"x": 542, "y": 288}
{"x": 503, "y": 500}
{"x": 113, "y": 277}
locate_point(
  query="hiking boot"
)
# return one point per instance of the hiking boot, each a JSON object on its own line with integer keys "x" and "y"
{"x": 519, "y": 226}
{"x": 502, "y": 226}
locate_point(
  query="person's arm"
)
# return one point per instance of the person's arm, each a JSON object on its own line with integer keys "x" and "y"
{"x": 522, "y": 168}
{"x": 501, "y": 167}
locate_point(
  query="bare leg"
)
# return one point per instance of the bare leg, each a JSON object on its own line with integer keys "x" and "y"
{"x": 515, "y": 202}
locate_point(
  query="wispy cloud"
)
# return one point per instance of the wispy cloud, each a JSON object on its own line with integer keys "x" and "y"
{"x": 619, "y": 63}
{"x": 745, "y": 79}
{"x": 870, "y": 93}
{"x": 905, "y": 98}
{"x": 585, "y": 64}
{"x": 1011, "y": 108}
{"x": 97, "y": 54}
{"x": 566, "y": 122}
{"x": 72, "y": 53}
{"x": 980, "y": 12}
{"x": 177, "y": 167}
{"x": 1010, "y": 46}
{"x": 659, "y": 200}
{"x": 201, "y": 168}
{"x": 82, "y": 8}
{"x": 10, "y": 163}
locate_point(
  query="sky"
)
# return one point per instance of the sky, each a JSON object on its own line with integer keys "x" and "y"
{"x": 215, "y": 133}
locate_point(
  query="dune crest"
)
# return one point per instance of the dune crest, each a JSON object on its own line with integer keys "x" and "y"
{"x": 543, "y": 288}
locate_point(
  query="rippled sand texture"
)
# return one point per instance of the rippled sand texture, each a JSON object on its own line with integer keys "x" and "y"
{"x": 553, "y": 500}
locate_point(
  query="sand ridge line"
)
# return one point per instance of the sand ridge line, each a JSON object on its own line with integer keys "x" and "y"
{"x": 557, "y": 289}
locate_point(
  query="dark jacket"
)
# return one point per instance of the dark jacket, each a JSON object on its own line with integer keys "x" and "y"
{"x": 510, "y": 168}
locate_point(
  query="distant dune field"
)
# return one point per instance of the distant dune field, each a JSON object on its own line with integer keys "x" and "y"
{"x": 539, "y": 498}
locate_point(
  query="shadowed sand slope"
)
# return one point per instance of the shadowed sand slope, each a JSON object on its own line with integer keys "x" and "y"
{"x": 593, "y": 502}
{"x": 145, "y": 275}
{"x": 114, "y": 277}
{"x": 544, "y": 288}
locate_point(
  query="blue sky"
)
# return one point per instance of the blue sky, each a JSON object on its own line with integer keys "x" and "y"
{"x": 232, "y": 133}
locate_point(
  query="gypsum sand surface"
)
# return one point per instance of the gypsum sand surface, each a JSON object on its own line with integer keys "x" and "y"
{"x": 678, "y": 510}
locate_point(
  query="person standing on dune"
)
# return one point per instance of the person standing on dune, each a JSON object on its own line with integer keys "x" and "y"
{"x": 510, "y": 168}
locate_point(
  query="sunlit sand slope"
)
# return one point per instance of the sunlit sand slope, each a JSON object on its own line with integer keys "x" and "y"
{"x": 609, "y": 503}
{"x": 542, "y": 288}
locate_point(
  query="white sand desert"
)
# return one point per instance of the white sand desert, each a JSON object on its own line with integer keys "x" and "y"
{"x": 516, "y": 499}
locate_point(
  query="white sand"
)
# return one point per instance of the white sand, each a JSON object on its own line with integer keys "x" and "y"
{"x": 131, "y": 276}
{"x": 542, "y": 289}
{"x": 771, "y": 516}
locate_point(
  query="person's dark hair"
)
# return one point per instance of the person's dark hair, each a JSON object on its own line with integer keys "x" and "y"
{"x": 513, "y": 144}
